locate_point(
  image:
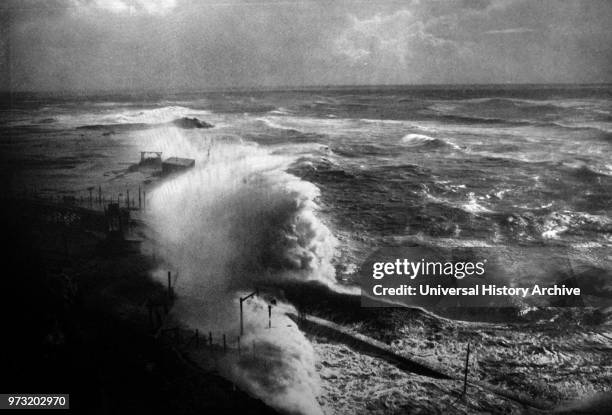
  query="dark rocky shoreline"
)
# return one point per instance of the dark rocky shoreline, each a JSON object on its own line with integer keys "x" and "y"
{"x": 75, "y": 324}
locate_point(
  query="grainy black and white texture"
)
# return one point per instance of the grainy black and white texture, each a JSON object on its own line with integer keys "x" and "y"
{"x": 311, "y": 137}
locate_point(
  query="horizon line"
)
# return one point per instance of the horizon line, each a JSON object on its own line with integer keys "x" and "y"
{"x": 280, "y": 88}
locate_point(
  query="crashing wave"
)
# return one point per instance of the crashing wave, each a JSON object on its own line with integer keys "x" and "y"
{"x": 235, "y": 223}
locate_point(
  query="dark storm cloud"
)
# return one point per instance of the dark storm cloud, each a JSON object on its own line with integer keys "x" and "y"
{"x": 189, "y": 44}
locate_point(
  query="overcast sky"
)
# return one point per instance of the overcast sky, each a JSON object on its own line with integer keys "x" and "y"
{"x": 198, "y": 44}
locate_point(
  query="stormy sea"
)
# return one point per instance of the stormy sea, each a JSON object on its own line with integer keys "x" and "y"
{"x": 299, "y": 187}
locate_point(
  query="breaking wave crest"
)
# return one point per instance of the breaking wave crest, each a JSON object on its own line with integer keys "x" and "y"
{"x": 150, "y": 116}
{"x": 421, "y": 140}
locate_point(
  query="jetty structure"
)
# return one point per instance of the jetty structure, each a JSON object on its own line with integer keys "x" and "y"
{"x": 150, "y": 158}
{"x": 152, "y": 162}
{"x": 176, "y": 165}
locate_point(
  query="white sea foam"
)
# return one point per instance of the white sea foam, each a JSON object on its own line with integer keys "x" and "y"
{"x": 236, "y": 221}
{"x": 417, "y": 139}
{"x": 473, "y": 206}
{"x": 129, "y": 116}
{"x": 272, "y": 123}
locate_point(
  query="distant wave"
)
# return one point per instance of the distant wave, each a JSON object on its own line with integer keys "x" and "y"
{"x": 417, "y": 139}
{"x": 293, "y": 128}
{"x": 502, "y": 103}
{"x": 599, "y": 127}
{"x": 530, "y": 103}
{"x": 571, "y": 114}
{"x": 283, "y": 133}
{"x": 381, "y": 121}
{"x": 122, "y": 116}
{"x": 480, "y": 122}
{"x": 273, "y": 124}
{"x": 114, "y": 127}
{"x": 421, "y": 140}
{"x": 280, "y": 111}
{"x": 437, "y": 241}
{"x": 468, "y": 119}
{"x": 184, "y": 123}
{"x": 157, "y": 115}
{"x": 605, "y": 128}
{"x": 588, "y": 171}
{"x": 472, "y": 204}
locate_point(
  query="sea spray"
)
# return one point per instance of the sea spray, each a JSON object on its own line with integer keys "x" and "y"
{"x": 277, "y": 363}
{"x": 236, "y": 220}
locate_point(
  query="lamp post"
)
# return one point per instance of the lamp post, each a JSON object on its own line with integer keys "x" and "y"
{"x": 242, "y": 300}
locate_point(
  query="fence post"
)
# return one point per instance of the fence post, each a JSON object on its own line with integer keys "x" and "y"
{"x": 269, "y": 316}
{"x": 139, "y": 199}
{"x": 169, "y": 286}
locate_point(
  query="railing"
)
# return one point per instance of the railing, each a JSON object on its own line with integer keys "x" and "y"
{"x": 92, "y": 197}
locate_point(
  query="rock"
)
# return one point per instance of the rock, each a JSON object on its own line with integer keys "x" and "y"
{"x": 189, "y": 123}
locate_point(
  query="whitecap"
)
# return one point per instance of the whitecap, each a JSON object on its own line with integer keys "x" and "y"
{"x": 417, "y": 139}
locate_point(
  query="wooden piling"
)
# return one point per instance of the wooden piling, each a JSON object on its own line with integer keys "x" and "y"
{"x": 269, "y": 316}
{"x": 169, "y": 286}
